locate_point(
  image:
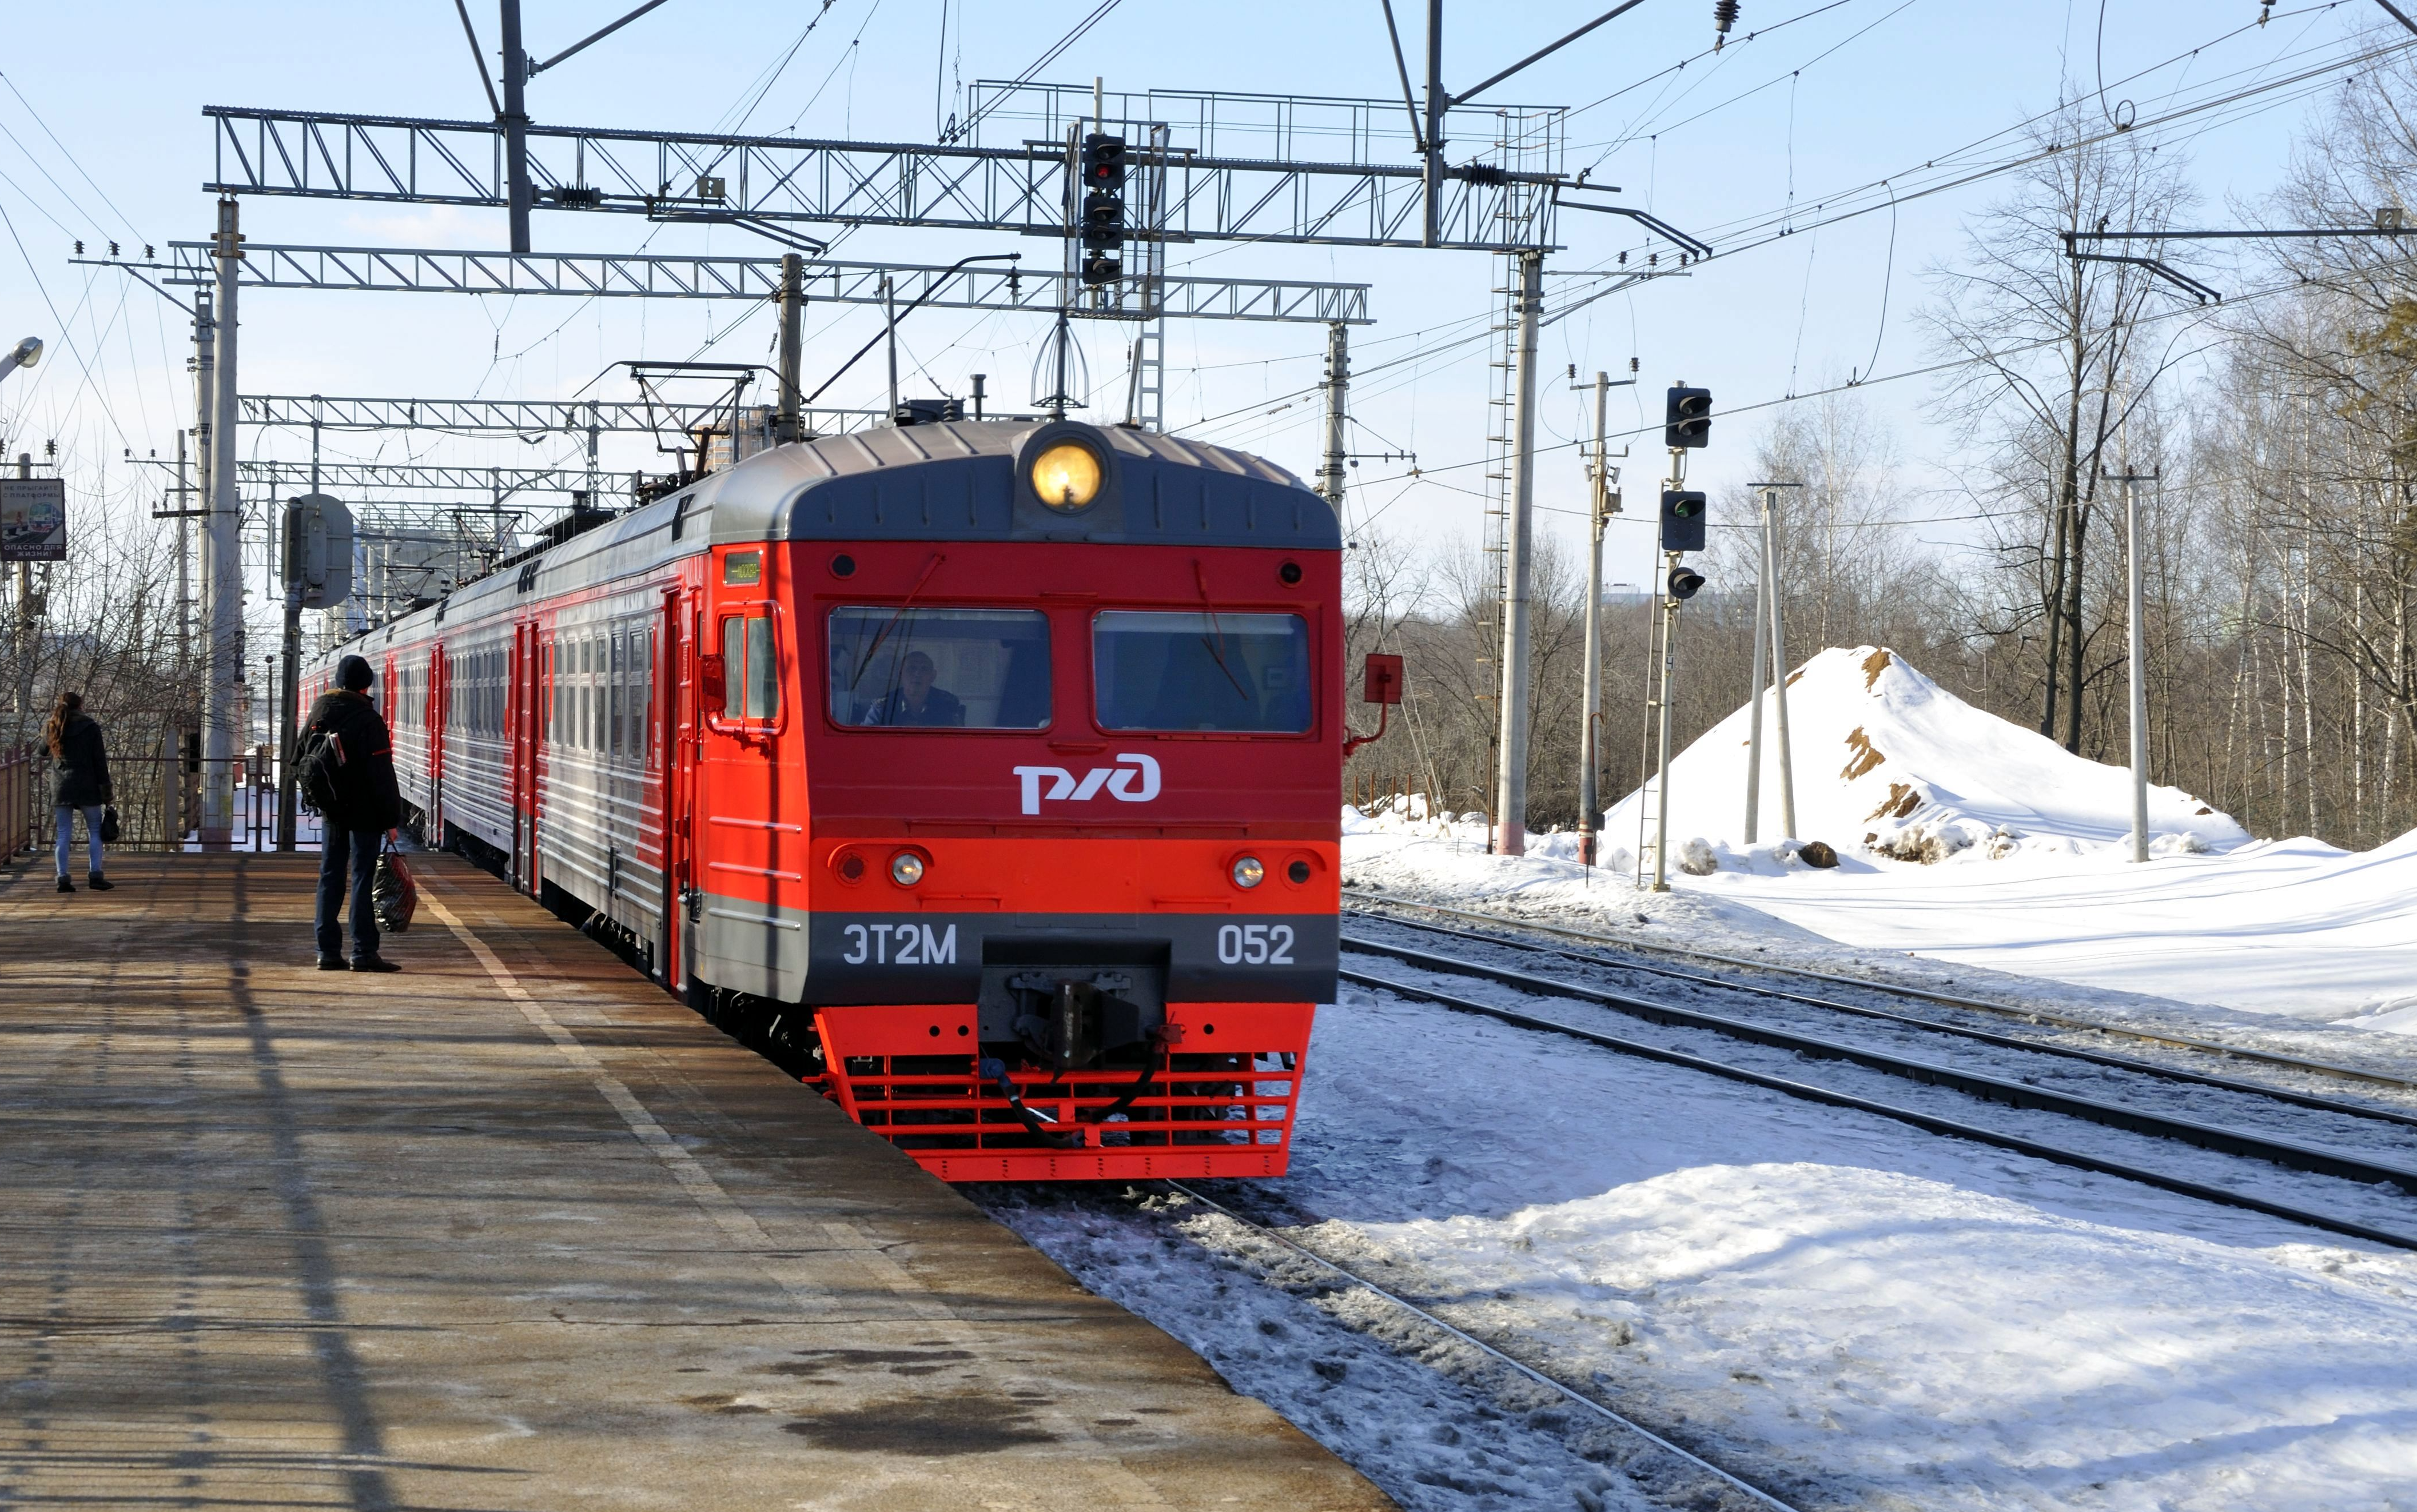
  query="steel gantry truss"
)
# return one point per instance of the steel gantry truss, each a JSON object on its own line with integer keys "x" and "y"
{"x": 525, "y": 417}
{"x": 614, "y": 275}
{"x": 370, "y": 479}
{"x": 1025, "y": 188}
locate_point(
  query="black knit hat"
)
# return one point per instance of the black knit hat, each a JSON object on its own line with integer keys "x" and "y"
{"x": 353, "y": 674}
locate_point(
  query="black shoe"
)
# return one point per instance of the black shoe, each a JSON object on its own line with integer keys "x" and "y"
{"x": 374, "y": 964}
{"x": 65, "y": 886}
{"x": 100, "y": 884}
{"x": 333, "y": 963}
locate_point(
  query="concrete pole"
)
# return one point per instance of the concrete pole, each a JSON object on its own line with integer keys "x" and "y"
{"x": 1510, "y": 781}
{"x": 1758, "y": 682}
{"x": 184, "y": 566}
{"x": 516, "y": 178}
{"x": 788, "y": 427}
{"x": 27, "y": 639}
{"x": 222, "y": 544}
{"x": 1590, "y": 703}
{"x": 890, "y": 314}
{"x": 1779, "y": 673}
{"x": 2137, "y": 662}
{"x": 1338, "y": 387}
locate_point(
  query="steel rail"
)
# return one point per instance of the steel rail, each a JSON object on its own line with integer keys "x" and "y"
{"x": 1930, "y": 1123}
{"x": 1994, "y": 1089}
{"x": 1952, "y": 1000}
{"x": 2037, "y": 1046}
{"x": 1491, "y": 1352}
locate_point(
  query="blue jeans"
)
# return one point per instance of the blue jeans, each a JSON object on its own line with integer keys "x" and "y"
{"x": 91, "y": 834}
{"x": 353, "y": 852}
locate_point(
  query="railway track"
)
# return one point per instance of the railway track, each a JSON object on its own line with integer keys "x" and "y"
{"x": 2027, "y": 1014}
{"x": 2015, "y": 1090}
{"x": 1724, "y": 1480}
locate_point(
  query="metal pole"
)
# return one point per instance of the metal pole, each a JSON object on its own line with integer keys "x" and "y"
{"x": 1591, "y": 704}
{"x": 516, "y": 125}
{"x": 1779, "y": 677}
{"x": 1338, "y": 386}
{"x": 1760, "y": 680}
{"x": 224, "y": 546}
{"x": 1662, "y": 763}
{"x": 793, "y": 303}
{"x": 1510, "y": 779}
{"x": 288, "y": 695}
{"x": 1437, "y": 103}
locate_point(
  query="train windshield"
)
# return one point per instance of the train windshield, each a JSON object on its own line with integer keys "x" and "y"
{"x": 963, "y": 669}
{"x": 1202, "y": 671}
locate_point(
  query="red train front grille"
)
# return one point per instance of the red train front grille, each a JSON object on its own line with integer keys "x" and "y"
{"x": 1218, "y": 1100}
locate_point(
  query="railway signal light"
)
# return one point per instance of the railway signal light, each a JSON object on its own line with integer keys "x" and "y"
{"x": 1683, "y": 520}
{"x": 1687, "y": 419}
{"x": 1104, "y": 208}
{"x": 1684, "y": 581}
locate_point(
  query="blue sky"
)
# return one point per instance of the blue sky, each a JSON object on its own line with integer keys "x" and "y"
{"x": 1840, "y": 97}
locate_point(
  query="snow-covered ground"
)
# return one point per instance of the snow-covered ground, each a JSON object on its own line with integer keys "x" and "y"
{"x": 1829, "y": 1303}
{"x": 1961, "y": 839}
{"x": 1844, "y": 1309}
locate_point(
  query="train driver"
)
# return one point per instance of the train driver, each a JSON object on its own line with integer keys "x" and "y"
{"x": 915, "y": 700}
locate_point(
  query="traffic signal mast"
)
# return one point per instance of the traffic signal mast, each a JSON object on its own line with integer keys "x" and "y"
{"x": 1687, "y": 423}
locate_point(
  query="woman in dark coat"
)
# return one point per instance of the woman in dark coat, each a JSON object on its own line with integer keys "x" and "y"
{"x": 83, "y": 783}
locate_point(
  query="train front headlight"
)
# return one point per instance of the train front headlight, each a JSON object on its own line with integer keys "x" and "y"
{"x": 1066, "y": 476}
{"x": 1248, "y": 873}
{"x": 905, "y": 869}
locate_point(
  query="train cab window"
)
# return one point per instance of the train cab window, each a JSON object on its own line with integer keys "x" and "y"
{"x": 1241, "y": 673}
{"x": 971, "y": 669}
{"x": 750, "y": 674}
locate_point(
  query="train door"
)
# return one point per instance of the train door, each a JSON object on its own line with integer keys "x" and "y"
{"x": 522, "y": 716}
{"x": 675, "y": 673}
{"x": 440, "y": 698}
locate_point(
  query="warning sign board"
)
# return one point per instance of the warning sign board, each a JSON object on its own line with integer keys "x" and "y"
{"x": 33, "y": 520}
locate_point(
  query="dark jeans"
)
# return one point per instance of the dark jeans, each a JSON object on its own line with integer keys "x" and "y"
{"x": 355, "y": 851}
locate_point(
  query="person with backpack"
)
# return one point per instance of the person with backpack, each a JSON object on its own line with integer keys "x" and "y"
{"x": 82, "y": 785}
{"x": 344, "y": 761}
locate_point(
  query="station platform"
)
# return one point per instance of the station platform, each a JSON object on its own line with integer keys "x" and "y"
{"x": 512, "y": 1229}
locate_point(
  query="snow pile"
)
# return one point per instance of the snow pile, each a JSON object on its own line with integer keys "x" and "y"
{"x": 1961, "y": 839}
{"x": 1888, "y": 762}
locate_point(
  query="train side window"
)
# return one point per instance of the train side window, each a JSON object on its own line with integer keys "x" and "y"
{"x": 750, "y": 669}
{"x": 645, "y": 703}
{"x": 612, "y": 696}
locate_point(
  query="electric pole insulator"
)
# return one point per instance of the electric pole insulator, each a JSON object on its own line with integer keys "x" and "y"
{"x": 1687, "y": 417}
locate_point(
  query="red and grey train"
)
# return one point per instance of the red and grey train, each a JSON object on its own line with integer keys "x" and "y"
{"x": 1006, "y": 755}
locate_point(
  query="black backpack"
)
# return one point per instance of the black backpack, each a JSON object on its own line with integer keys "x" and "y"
{"x": 319, "y": 772}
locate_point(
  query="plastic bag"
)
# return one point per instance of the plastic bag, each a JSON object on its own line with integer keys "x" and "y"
{"x": 392, "y": 893}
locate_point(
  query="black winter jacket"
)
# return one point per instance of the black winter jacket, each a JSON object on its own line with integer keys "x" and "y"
{"x": 83, "y": 770}
{"x": 373, "y": 801}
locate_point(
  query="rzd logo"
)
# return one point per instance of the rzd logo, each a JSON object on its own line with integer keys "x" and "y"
{"x": 1133, "y": 779}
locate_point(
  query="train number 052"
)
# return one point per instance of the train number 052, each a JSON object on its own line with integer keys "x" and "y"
{"x": 1254, "y": 945}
